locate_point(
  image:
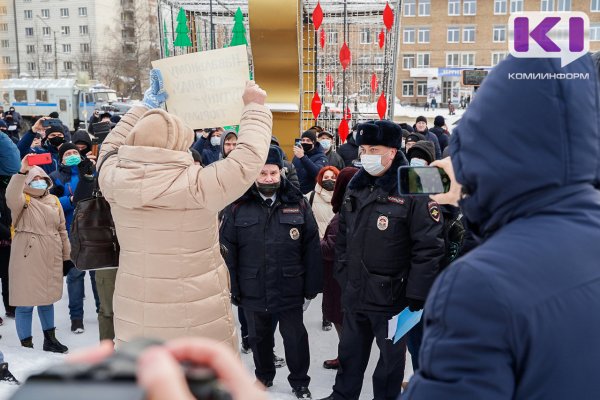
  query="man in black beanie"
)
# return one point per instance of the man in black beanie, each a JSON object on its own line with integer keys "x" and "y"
{"x": 309, "y": 158}
{"x": 421, "y": 127}
{"x": 388, "y": 250}
{"x": 271, "y": 223}
{"x": 440, "y": 132}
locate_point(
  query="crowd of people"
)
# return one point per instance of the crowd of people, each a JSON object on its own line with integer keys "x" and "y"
{"x": 212, "y": 218}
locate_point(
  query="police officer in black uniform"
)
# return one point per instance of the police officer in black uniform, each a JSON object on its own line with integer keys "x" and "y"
{"x": 274, "y": 260}
{"x": 388, "y": 251}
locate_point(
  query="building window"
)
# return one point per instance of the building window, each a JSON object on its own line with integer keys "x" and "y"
{"x": 45, "y": 31}
{"x": 499, "y": 33}
{"x": 453, "y": 7}
{"x": 83, "y": 11}
{"x": 28, "y": 14}
{"x": 28, "y": 31}
{"x": 68, "y": 65}
{"x": 66, "y": 48}
{"x": 5, "y": 43}
{"x": 47, "y": 48}
{"x": 423, "y": 35}
{"x": 547, "y": 5}
{"x": 452, "y": 59}
{"x": 469, "y": 7}
{"x": 423, "y": 60}
{"x": 408, "y": 61}
{"x": 595, "y": 6}
{"x": 564, "y": 5}
{"x": 424, "y": 8}
{"x": 468, "y": 34}
{"x": 595, "y": 32}
{"x": 3, "y": 10}
{"x": 365, "y": 36}
{"x": 497, "y": 57}
{"x": 41, "y": 95}
{"x": 516, "y": 6}
{"x": 3, "y": 27}
{"x": 85, "y": 47}
{"x": 332, "y": 38}
{"x": 421, "y": 88}
{"x": 45, "y": 13}
{"x": 453, "y": 34}
{"x": 5, "y": 60}
{"x": 30, "y": 49}
{"x": 408, "y": 35}
{"x": 83, "y": 30}
{"x": 48, "y": 66}
{"x": 85, "y": 66}
{"x": 499, "y": 7}
{"x": 408, "y": 88}
{"x": 65, "y": 30}
{"x": 64, "y": 12}
{"x": 31, "y": 66}
{"x": 410, "y": 8}
{"x": 379, "y": 61}
{"x": 468, "y": 59}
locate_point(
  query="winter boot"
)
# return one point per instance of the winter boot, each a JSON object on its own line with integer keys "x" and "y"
{"x": 245, "y": 345}
{"x": 302, "y": 392}
{"x": 279, "y": 361}
{"x": 326, "y": 326}
{"x": 27, "y": 342}
{"x": 6, "y": 376}
{"x": 77, "y": 326}
{"x": 52, "y": 344}
{"x": 331, "y": 364}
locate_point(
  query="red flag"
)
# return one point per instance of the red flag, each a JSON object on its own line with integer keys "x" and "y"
{"x": 374, "y": 83}
{"x": 322, "y": 38}
{"x": 345, "y": 56}
{"x": 317, "y": 16}
{"x": 315, "y": 105}
{"x": 343, "y": 130}
{"x": 381, "y": 39}
{"x": 388, "y": 16}
{"x": 381, "y": 106}
{"x": 329, "y": 83}
{"x": 348, "y": 115}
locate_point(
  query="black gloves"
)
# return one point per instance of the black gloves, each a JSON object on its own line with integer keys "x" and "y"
{"x": 224, "y": 251}
{"x": 235, "y": 300}
{"x": 415, "y": 305}
{"x": 86, "y": 169}
{"x": 67, "y": 265}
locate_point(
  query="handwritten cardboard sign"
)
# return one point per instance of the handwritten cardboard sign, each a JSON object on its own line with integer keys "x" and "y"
{"x": 205, "y": 89}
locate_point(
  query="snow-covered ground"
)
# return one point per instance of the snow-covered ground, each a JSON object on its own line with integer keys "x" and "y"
{"x": 323, "y": 345}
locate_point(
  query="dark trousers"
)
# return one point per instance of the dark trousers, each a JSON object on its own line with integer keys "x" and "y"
{"x": 295, "y": 343}
{"x": 4, "y": 260}
{"x": 414, "y": 337}
{"x": 358, "y": 332}
{"x": 244, "y": 324}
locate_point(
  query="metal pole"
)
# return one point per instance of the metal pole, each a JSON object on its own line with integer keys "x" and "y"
{"x": 160, "y": 30}
{"x": 173, "y": 30}
{"x": 55, "y": 57}
{"x": 17, "y": 40}
{"x": 212, "y": 28}
{"x": 395, "y": 60}
{"x": 344, "y": 71}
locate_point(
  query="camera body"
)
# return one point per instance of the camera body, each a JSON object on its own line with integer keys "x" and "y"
{"x": 114, "y": 379}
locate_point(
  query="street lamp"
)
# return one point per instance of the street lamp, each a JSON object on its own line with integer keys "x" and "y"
{"x": 55, "y": 56}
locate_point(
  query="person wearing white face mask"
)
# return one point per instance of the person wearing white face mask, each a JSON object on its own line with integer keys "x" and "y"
{"x": 388, "y": 250}
{"x": 209, "y": 145}
{"x": 335, "y": 160}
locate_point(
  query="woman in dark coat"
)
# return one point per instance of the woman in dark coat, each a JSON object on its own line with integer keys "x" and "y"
{"x": 332, "y": 293}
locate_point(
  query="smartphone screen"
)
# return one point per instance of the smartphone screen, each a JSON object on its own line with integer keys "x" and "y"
{"x": 422, "y": 180}
{"x": 51, "y": 122}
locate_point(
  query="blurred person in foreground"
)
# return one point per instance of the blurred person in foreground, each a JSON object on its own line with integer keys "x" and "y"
{"x": 172, "y": 280}
{"x": 511, "y": 319}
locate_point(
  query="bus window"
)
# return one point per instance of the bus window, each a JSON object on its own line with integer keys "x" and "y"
{"x": 104, "y": 97}
{"x": 62, "y": 104}
{"x": 41, "y": 96}
{"x": 21, "y": 96}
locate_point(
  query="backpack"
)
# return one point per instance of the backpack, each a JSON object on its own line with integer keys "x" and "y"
{"x": 94, "y": 243}
{"x": 25, "y": 207}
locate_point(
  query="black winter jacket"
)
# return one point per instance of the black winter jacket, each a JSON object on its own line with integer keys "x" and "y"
{"x": 389, "y": 247}
{"x": 274, "y": 254}
{"x": 348, "y": 151}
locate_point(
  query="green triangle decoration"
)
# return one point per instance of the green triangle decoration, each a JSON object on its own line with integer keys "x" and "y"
{"x": 239, "y": 30}
{"x": 167, "y": 52}
{"x": 182, "y": 30}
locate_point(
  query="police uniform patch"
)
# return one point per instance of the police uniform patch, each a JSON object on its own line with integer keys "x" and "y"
{"x": 290, "y": 210}
{"x": 434, "y": 211}
{"x": 397, "y": 200}
{"x": 294, "y": 233}
{"x": 382, "y": 223}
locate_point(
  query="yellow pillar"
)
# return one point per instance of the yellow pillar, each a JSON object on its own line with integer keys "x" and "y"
{"x": 275, "y": 29}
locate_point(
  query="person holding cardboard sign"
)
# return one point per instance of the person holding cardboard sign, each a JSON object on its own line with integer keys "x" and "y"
{"x": 172, "y": 281}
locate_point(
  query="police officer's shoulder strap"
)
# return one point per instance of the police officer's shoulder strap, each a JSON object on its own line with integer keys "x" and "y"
{"x": 312, "y": 198}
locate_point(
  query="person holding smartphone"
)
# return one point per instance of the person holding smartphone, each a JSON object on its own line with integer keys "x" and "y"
{"x": 53, "y": 138}
{"x": 309, "y": 158}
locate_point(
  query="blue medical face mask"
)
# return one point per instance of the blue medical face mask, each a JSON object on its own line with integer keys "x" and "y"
{"x": 72, "y": 160}
{"x": 417, "y": 162}
{"x": 40, "y": 184}
{"x": 325, "y": 144}
{"x": 215, "y": 141}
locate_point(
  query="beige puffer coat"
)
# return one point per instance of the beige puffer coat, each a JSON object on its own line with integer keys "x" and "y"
{"x": 321, "y": 207}
{"x": 40, "y": 245}
{"x": 172, "y": 281}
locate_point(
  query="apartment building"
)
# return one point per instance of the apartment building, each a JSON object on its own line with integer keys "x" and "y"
{"x": 440, "y": 38}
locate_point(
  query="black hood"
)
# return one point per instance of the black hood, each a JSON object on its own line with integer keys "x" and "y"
{"x": 82, "y": 136}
